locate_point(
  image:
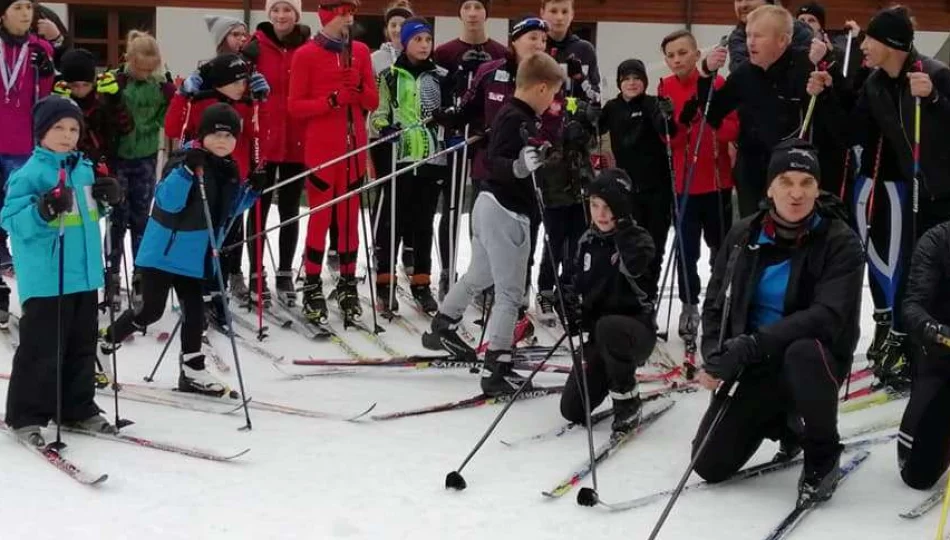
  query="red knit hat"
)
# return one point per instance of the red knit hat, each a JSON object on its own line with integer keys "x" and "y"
{"x": 332, "y": 9}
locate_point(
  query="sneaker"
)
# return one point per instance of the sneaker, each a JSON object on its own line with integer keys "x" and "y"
{"x": 314, "y": 302}
{"x": 195, "y": 378}
{"x": 443, "y": 337}
{"x": 883, "y": 320}
{"x": 893, "y": 367}
{"x": 286, "y": 292}
{"x": 443, "y": 285}
{"x": 499, "y": 377}
{"x": 689, "y": 322}
{"x": 422, "y": 294}
{"x": 252, "y": 293}
{"x": 386, "y": 301}
{"x": 627, "y": 411}
{"x": 31, "y": 435}
{"x": 820, "y": 476}
{"x": 348, "y": 297}
{"x": 94, "y": 424}
{"x": 237, "y": 286}
{"x": 333, "y": 261}
{"x": 545, "y": 303}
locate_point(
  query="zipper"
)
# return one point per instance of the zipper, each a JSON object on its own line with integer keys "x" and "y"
{"x": 171, "y": 241}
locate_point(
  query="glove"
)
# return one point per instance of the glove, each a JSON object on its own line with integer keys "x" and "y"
{"x": 575, "y": 69}
{"x": 530, "y": 160}
{"x": 55, "y": 202}
{"x": 107, "y": 190}
{"x": 258, "y": 180}
{"x": 471, "y": 61}
{"x": 688, "y": 114}
{"x": 62, "y": 88}
{"x": 107, "y": 84}
{"x": 195, "y": 160}
{"x": 665, "y": 107}
{"x": 446, "y": 117}
{"x": 937, "y": 334}
{"x": 192, "y": 85}
{"x": 388, "y": 131}
{"x": 573, "y": 315}
{"x": 41, "y": 61}
{"x": 351, "y": 79}
{"x": 259, "y": 87}
{"x": 739, "y": 352}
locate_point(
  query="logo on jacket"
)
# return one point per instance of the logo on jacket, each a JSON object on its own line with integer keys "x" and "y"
{"x": 587, "y": 262}
{"x": 495, "y": 96}
{"x": 636, "y": 114}
{"x": 502, "y": 76}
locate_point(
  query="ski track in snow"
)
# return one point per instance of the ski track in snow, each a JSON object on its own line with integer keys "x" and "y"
{"x": 312, "y": 478}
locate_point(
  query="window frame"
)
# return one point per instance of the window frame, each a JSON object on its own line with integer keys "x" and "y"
{"x": 113, "y": 41}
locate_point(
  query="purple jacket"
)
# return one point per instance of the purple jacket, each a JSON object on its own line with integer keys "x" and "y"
{"x": 16, "y": 113}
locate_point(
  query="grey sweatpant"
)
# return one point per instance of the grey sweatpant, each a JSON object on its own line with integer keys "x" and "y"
{"x": 501, "y": 245}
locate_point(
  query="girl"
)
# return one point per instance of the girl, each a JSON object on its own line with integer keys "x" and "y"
{"x": 51, "y": 213}
{"x": 175, "y": 247}
{"x": 408, "y": 93}
{"x": 228, "y": 34}
{"x": 146, "y": 94}
{"x": 271, "y": 52}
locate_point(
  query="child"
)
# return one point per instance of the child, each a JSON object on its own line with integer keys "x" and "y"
{"x": 577, "y": 56}
{"x": 501, "y": 221}
{"x": 52, "y": 213}
{"x": 408, "y": 93}
{"x": 176, "y": 247}
{"x": 146, "y": 94}
{"x": 27, "y": 57}
{"x": 332, "y": 85}
{"x": 228, "y": 34}
{"x": 708, "y": 210}
{"x": 613, "y": 257}
{"x": 224, "y": 79}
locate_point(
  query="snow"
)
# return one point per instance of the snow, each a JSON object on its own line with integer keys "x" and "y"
{"x": 313, "y": 478}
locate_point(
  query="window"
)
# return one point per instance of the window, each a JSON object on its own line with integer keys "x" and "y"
{"x": 102, "y": 30}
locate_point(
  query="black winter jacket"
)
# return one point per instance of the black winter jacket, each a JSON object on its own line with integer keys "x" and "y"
{"x": 927, "y": 298}
{"x": 514, "y": 120}
{"x": 635, "y": 128}
{"x": 823, "y": 299}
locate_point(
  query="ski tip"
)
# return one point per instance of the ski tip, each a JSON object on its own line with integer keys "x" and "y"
{"x": 454, "y": 480}
{"x": 362, "y": 414}
{"x": 99, "y": 480}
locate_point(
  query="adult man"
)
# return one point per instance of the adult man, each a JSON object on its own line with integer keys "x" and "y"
{"x": 801, "y": 37}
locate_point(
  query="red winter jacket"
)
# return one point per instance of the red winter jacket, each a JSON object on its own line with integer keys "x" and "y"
{"x": 176, "y": 128}
{"x": 684, "y": 141}
{"x": 283, "y": 134}
{"x": 316, "y": 73}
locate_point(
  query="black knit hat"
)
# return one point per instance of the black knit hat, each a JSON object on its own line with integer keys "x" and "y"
{"x": 794, "y": 155}
{"x": 815, "y": 9}
{"x": 893, "y": 27}
{"x": 632, "y": 68}
{"x": 78, "y": 65}
{"x": 52, "y": 109}
{"x": 224, "y": 69}
{"x": 486, "y": 3}
{"x": 397, "y": 11}
{"x": 525, "y": 25}
{"x": 612, "y": 185}
{"x": 219, "y": 117}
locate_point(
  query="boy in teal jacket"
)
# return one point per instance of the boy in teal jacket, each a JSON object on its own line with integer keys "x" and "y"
{"x": 54, "y": 203}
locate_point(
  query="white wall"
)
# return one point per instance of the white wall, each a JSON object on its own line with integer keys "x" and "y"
{"x": 59, "y": 9}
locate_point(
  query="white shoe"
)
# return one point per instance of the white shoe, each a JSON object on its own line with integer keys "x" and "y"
{"x": 200, "y": 381}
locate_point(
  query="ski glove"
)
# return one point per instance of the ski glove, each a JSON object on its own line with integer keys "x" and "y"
{"x": 259, "y": 87}
{"x": 665, "y": 108}
{"x": 62, "y": 88}
{"x": 739, "y": 352}
{"x": 688, "y": 114}
{"x": 447, "y": 117}
{"x": 55, "y": 202}
{"x": 575, "y": 69}
{"x": 195, "y": 160}
{"x": 937, "y": 334}
{"x": 529, "y": 161}
{"x": 192, "y": 85}
{"x": 107, "y": 190}
{"x": 388, "y": 131}
{"x": 258, "y": 180}
{"x": 41, "y": 60}
{"x": 107, "y": 84}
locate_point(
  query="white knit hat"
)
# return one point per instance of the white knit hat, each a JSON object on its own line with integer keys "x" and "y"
{"x": 220, "y": 26}
{"x": 295, "y": 4}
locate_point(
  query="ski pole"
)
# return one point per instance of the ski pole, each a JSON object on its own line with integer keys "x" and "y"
{"x": 455, "y": 480}
{"x": 847, "y": 53}
{"x": 943, "y": 512}
{"x": 258, "y": 211}
{"x": 59, "y": 444}
{"x": 918, "y": 66}
{"x": 119, "y": 422}
{"x": 392, "y": 229}
{"x": 171, "y": 337}
{"x": 821, "y": 66}
{"x": 361, "y": 189}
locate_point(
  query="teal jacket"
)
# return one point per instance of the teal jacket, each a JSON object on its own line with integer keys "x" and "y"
{"x": 35, "y": 242}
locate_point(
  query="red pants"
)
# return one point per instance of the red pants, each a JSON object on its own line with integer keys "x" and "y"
{"x": 329, "y": 184}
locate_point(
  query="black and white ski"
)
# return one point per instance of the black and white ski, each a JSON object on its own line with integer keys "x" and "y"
{"x": 158, "y": 445}
{"x": 925, "y": 505}
{"x": 476, "y": 401}
{"x": 55, "y": 459}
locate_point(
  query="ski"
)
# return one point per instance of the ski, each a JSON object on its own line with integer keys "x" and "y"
{"x": 55, "y": 459}
{"x": 157, "y": 445}
{"x": 606, "y": 450}
{"x": 301, "y": 376}
{"x": 880, "y": 397}
{"x": 423, "y": 362}
{"x": 248, "y": 345}
{"x": 472, "y": 402}
{"x": 319, "y": 332}
{"x": 791, "y": 521}
{"x": 925, "y": 506}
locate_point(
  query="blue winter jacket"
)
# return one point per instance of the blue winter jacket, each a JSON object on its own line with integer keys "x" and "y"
{"x": 176, "y": 237}
{"x": 35, "y": 242}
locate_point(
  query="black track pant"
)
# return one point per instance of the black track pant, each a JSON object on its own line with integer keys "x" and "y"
{"x": 288, "y": 206}
{"x": 618, "y": 346}
{"x": 31, "y": 397}
{"x": 156, "y": 285}
{"x": 923, "y": 444}
{"x": 417, "y": 196}
{"x": 767, "y": 403}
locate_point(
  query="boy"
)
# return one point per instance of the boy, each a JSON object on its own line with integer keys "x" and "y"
{"x": 612, "y": 258}
{"x": 708, "y": 210}
{"x": 577, "y": 56}
{"x": 501, "y": 221}
{"x": 53, "y": 208}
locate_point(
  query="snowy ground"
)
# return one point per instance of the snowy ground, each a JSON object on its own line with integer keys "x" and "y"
{"x": 310, "y": 478}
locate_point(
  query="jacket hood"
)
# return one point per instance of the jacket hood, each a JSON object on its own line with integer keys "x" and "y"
{"x": 297, "y": 37}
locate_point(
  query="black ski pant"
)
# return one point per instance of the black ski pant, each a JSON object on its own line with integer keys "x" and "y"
{"x": 767, "y": 404}
{"x": 618, "y": 346}
{"x": 288, "y": 207}
{"x": 923, "y": 443}
{"x": 564, "y": 226}
{"x": 382, "y": 163}
{"x": 654, "y": 212}
{"x": 31, "y": 396}
{"x": 708, "y": 216}
{"x": 417, "y": 196}
{"x": 156, "y": 284}
{"x": 231, "y": 259}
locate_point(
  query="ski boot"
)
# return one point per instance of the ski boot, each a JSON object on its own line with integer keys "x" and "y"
{"x": 443, "y": 285}
{"x": 499, "y": 377}
{"x": 286, "y": 293}
{"x": 31, "y": 435}
{"x": 790, "y": 440}
{"x": 628, "y": 411}
{"x": 408, "y": 261}
{"x": 194, "y": 378}
{"x": 253, "y": 297}
{"x": 893, "y": 368}
{"x": 348, "y": 298}
{"x": 422, "y": 294}
{"x": 386, "y": 302}
{"x": 819, "y": 478}
{"x": 689, "y": 331}
{"x": 883, "y": 319}
{"x": 545, "y": 304}
{"x": 443, "y": 337}
{"x": 314, "y": 303}
{"x": 333, "y": 261}
{"x": 237, "y": 286}
{"x": 94, "y": 424}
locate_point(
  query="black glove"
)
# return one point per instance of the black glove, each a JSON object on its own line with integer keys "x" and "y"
{"x": 388, "y": 131}
{"x": 55, "y": 202}
{"x": 107, "y": 190}
{"x": 575, "y": 69}
{"x": 665, "y": 107}
{"x": 258, "y": 180}
{"x": 937, "y": 334}
{"x": 195, "y": 159}
{"x": 446, "y": 117}
{"x": 688, "y": 114}
{"x": 739, "y": 352}
{"x": 41, "y": 61}
{"x": 572, "y": 314}
{"x": 471, "y": 61}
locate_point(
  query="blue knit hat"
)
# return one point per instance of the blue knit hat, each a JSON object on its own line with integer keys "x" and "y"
{"x": 52, "y": 109}
{"x": 411, "y": 29}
